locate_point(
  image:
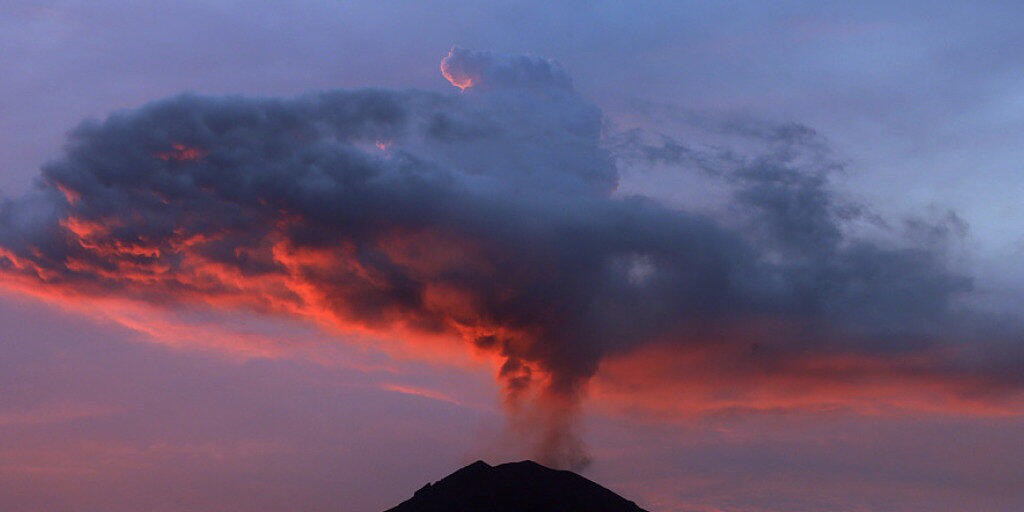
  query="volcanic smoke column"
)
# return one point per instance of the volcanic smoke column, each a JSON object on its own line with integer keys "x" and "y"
{"x": 486, "y": 215}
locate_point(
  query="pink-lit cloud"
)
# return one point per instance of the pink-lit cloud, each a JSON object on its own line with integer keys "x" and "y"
{"x": 474, "y": 231}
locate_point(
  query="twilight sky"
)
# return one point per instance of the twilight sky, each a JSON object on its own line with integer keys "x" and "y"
{"x": 737, "y": 257}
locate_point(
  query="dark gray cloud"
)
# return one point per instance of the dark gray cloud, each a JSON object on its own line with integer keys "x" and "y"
{"x": 490, "y": 215}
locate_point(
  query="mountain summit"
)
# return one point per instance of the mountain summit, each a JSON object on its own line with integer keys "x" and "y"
{"x": 514, "y": 487}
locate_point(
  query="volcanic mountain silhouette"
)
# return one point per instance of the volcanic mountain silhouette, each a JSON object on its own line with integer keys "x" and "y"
{"x": 515, "y": 487}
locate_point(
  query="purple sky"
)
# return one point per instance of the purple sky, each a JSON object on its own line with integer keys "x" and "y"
{"x": 129, "y": 407}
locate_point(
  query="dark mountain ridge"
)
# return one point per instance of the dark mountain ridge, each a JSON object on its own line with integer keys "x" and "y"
{"x": 514, "y": 487}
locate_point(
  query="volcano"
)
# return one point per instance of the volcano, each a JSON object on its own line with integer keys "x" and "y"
{"x": 514, "y": 487}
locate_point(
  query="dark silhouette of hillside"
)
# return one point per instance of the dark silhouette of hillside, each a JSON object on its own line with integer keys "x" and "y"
{"x": 515, "y": 487}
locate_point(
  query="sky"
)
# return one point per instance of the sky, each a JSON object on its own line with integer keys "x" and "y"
{"x": 717, "y": 257}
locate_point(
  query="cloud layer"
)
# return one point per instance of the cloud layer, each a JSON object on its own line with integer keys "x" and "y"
{"x": 492, "y": 216}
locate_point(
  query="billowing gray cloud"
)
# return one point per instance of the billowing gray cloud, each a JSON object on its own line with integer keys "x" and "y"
{"x": 482, "y": 71}
{"x": 490, "y": 215}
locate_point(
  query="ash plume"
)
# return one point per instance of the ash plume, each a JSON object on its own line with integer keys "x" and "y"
{"x": 490, "y": 215}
